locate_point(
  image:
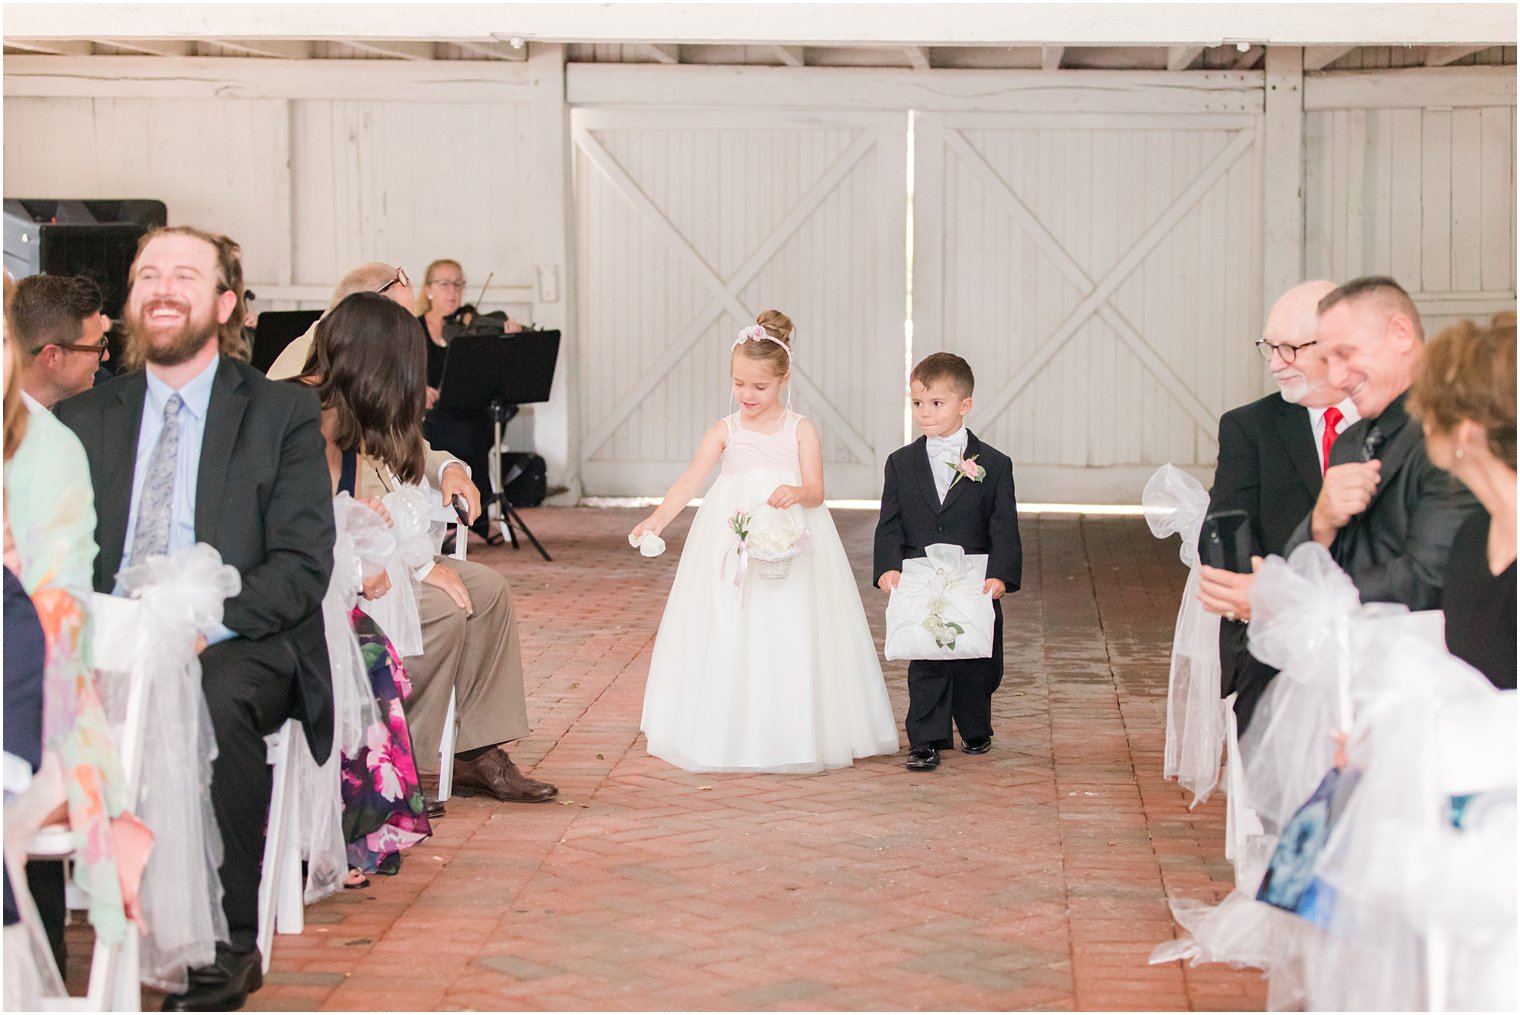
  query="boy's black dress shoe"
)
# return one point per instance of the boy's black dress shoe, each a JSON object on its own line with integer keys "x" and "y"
{"x": 981, "y": 746}
{"x": 923, "y": 759}
{"x": 222, "y": 986}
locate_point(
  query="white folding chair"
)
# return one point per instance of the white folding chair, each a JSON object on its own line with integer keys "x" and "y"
{"x": 116, "y": 635}
{"x": 450, "y": 721}
{"x": 1240, "y": 820}
{"x": 282, "y": 900}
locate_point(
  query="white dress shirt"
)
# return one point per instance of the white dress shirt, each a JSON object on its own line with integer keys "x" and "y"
{"x": 1349, "y": 415}
{"x": 942, "y": 450}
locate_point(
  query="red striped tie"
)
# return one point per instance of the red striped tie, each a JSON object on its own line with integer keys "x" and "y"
{"x": 1332, "y": 419}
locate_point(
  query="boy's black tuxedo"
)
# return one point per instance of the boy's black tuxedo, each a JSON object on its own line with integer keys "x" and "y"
{"x": 979, "y": 517}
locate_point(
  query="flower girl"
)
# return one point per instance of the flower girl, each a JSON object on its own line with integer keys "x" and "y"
{"x": 763, "y": 660}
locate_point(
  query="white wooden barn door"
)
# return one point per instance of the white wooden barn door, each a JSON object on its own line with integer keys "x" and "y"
{"x": 1102, "y": 275}
{"x": 688, "y": 224}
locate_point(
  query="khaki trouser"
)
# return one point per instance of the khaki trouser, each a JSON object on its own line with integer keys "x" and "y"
{"x": 478, "y": 658}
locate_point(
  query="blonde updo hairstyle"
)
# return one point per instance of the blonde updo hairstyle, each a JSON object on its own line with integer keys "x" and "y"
{"x": 778, "y": 326}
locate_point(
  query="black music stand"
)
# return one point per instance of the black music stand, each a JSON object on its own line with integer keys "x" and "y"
{"x": 494, "y": 374}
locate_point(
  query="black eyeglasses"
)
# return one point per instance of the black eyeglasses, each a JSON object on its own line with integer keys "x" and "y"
{"x": 1286, "y": 351}
{"x": 99, "y": 350}
{"x": 400, "y": 279}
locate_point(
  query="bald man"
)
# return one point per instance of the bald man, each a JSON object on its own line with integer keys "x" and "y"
{"x": 1387, "y": 515}
{"x": 1272, "y": 455}
{"x": 373, "y": 277}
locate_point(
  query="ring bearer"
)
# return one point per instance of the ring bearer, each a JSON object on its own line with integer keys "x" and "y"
{"x": 949, "y": 487}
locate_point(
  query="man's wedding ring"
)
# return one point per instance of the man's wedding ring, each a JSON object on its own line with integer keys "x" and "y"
{"x": 1230, "y": 615}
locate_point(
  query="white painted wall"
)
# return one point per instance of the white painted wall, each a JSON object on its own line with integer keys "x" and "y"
{"x": 315, "y": 167}
{"x": 1416, "y": 179}
{"x": 689, "y": 223}
{"x": 1100, "y": 273}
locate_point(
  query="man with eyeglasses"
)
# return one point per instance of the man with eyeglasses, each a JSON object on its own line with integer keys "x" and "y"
{"x": 371, "y": 277}
{"x": 1272, "y": 457}
{"x": 60, "y": 332}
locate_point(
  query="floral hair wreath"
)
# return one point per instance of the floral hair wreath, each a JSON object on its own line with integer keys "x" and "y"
{"x": 757, "y": 333}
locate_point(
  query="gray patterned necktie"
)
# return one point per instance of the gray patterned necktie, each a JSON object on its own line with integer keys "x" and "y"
{"x": 155, "y": 510}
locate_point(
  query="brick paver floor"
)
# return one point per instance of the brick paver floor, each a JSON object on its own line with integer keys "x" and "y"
{"x": 1034, "y": 877}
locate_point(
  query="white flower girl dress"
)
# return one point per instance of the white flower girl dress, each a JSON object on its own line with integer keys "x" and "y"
{"x": 773, "y": 674}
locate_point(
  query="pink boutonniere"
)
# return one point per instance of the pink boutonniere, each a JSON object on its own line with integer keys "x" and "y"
{"x": 967, "y": 469}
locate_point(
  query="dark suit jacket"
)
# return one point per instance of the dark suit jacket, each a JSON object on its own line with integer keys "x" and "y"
{"x": 979, "y": 517}
{"x": 1396, "y": 550}
{"x": 263, "y": 499}
{"x": 1268, "y": 469}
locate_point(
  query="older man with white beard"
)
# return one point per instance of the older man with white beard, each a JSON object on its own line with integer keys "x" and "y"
{"x": 1272, "y": 456}
{"x": 199, "y": 447}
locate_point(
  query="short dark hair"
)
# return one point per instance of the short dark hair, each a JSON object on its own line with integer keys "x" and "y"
{"x": 1394, "y": 299}
{"x": 945, "y": 366}
{"x": 51, "y": 310}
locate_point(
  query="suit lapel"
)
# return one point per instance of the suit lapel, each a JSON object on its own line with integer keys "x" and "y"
{"x": 918, "y": 464}
{"x": 958, "y": 486}
{"x": 1393, "y": 455}
{"x": 224, "y": 417}
{"x": 114, "y": 468}
{"x": 1297, "y": 435}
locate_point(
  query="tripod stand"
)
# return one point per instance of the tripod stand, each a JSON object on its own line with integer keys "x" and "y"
{"x": 511, "y": 521}
{"x": 494, "y": 374}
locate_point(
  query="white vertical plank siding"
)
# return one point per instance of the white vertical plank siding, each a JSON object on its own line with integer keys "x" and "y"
{"x": 1497, "y": 214}
{"x": 688, "y": 224}
{"x": 1030, "y": 215}
{"x": 1435, "y": 198}
{"x": 215, "y": 164}
{"x": 1423, "y": 194}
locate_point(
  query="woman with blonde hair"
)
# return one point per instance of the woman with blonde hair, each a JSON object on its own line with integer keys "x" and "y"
{"x": 1465, "y": 395}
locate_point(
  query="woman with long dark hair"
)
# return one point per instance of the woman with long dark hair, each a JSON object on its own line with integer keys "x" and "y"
{"x": 371, "y": 374}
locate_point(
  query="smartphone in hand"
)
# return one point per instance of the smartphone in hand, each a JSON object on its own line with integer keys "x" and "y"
{"x": 1226, "y": 542}
{"x": 461, "y": 508}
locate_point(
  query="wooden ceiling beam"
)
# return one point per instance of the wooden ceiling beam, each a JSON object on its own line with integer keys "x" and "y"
{"x": 395, "y": 49}
{"x": 918, "y": 57}
{"x": 1320, "y": 57}
{"x": 151, "y": 47}
{"x": 1182, "y": 57}
{"x": 1440, "y": 56}
{"x": 1050, "y": 57}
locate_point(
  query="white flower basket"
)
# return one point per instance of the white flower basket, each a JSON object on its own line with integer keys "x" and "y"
{"x": 769, "y": 566}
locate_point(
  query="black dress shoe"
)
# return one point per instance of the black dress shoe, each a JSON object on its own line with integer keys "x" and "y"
{"x": 981, "y": 746}
{"x": 222, "y": 986}
{"x": 923, "y": 759}
{"x": 435, "y": 808}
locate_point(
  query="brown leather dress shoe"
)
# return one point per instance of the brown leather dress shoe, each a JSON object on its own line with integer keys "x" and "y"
{"x": 497, "y": 775}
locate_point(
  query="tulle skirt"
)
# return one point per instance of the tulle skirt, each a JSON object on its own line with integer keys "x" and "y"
{"x": 773, "y": 675}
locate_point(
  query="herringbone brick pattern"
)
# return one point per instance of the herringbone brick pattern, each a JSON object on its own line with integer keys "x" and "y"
{"x": 1034, "y": 877}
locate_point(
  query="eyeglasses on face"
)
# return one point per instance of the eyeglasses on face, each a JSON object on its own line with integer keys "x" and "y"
{"x": 99, "y": 350}
{"x": 457, "y": 283}
{"x": 400, "y": 280}
{"x": 1286, "y": 351}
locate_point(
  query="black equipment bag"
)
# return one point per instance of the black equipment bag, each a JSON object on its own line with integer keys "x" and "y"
{"x": 526, "y": 478}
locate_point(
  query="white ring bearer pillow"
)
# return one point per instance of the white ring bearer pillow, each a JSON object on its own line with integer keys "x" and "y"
{"x": 938, "y": 610}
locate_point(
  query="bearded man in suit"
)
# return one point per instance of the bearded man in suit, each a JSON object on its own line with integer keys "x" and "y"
{"x": 1272, "y": 456}
{"x": 199, "y": 447}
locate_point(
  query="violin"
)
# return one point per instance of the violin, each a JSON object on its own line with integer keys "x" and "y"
{"x": 467, "y": 320}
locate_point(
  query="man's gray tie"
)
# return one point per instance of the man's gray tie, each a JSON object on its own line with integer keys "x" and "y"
{"x": 155, "y": 511}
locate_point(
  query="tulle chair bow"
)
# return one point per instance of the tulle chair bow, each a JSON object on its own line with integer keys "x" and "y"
{"x": 181, "y": 894}
{"x": 1175, "y": 504}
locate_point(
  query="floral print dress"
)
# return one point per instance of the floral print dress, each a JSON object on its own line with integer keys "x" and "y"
{"x": 383, "y": 808}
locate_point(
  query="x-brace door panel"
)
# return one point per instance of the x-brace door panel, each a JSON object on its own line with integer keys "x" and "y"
{"x": 689, "y": 223}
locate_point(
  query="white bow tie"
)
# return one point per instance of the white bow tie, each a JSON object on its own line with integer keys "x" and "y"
{"x": 938, "y": 445}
